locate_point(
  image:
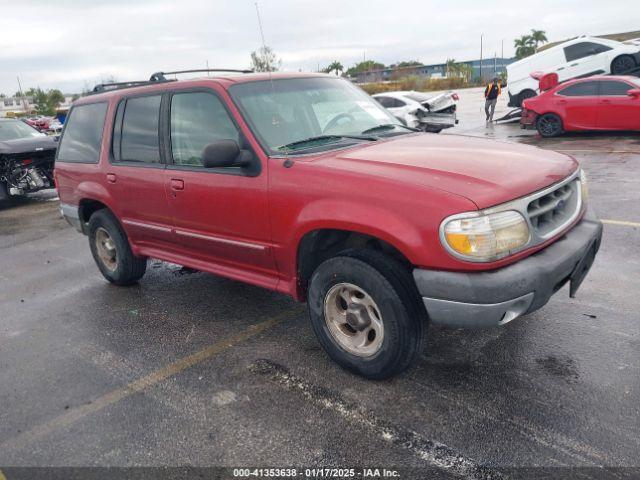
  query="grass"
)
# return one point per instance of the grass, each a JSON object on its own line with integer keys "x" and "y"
{"x": 420, "y": 84}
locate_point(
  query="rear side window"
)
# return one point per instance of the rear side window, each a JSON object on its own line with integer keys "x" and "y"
{"x": 136, "y": 136}
{"x": 583, "y": 49}
{"x": 83, "y": 134}
{"x": 584, "y": 89}
{"x": 386, "y": 102}
{"x": 612, "y": 88}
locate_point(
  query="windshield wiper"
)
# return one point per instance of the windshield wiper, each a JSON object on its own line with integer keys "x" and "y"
{"x": 317, "y": 138}
{"x": 388, "y": 126}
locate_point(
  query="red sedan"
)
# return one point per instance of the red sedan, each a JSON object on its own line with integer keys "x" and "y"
{"x": 594, "y": 103}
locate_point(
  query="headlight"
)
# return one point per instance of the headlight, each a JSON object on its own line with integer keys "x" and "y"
{"x": 584, "y": 188}
{"x": 485, "y": 237}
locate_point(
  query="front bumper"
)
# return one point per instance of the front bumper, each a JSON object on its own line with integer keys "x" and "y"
{"x": 487, "y": 299}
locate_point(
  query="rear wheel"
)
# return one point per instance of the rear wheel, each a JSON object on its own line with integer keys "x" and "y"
{"x": 622, "y": 64}
{"x": 549, "y": 125}
{"x": 366, "y": 312}
{"x": 112, "y": 252}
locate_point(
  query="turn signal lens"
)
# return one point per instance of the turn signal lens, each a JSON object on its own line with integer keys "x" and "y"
{"x": 487, "y": 237}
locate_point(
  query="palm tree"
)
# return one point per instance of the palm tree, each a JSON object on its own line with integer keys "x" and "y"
{"x": 538, "y": 36}
{"x": 451, "y": 67}
{"x": 524, "y": 46}
{"x": 334, "y": 66}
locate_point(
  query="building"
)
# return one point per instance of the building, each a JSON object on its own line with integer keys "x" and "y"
{"x": 19, "y": 106}
{"x": 490, "y": 68}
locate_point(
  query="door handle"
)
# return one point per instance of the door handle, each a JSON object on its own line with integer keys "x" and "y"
{"x": 111, "y": 177}
{"x": 562, "y": 102}
{"x": 605, "y": 101}
{"x": 177, "y": 184}
{"x": 573, "y": 64}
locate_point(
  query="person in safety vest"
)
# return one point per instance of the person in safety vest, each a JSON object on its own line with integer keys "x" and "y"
{"x": 491, "y": 94}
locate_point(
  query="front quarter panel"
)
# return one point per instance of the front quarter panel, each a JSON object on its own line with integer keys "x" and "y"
{"x": 308, "y": 197}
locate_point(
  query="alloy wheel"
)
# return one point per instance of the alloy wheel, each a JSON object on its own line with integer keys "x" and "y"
{"x": 353, "y": 319}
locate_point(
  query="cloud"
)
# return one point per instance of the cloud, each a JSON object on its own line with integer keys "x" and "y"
{"x": 68, "y": 44}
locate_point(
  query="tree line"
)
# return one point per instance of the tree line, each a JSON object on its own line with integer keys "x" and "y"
{"x": 265, "y": 60}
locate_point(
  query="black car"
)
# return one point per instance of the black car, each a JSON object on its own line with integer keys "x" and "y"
{"x": 26, "y": 158}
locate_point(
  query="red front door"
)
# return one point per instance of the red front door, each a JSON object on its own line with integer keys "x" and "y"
{"x": 617, "y": 110}
{"x": 220, "y": 215}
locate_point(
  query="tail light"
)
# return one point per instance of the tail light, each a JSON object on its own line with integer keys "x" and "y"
{"x": 455, "y": 96}
{"x": 27, "y": 161}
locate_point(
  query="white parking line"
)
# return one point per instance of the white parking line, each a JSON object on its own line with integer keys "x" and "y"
{"x": 434, "y": 453}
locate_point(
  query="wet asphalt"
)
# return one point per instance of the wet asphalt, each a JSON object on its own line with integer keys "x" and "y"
{"x": 96, "y": 375}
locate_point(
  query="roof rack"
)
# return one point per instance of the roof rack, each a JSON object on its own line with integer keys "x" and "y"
{"x": 157, "y": 77}
{"x": 105, "y": 87}
{"x": 161, "y": 76}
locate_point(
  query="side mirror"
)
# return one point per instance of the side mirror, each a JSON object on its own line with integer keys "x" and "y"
{"x": 634, "y": 93}
{"x": 224, "y": 153}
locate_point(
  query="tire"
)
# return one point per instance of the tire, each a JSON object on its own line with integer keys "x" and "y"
{"x": 523, "y": 95}
{"x": 111, "y": 250}
{"x": 396, "y": 345}
{"x": 4, "y": 193}
{"x": 622, "y": 64}
{"x": 549, "y": 125}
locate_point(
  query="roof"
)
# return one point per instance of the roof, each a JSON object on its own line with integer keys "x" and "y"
{"x": 224, "y": 80}
{"x": 620, "y": 37}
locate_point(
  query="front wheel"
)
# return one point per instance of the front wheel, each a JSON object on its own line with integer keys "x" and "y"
{"x": 622, "y": 64}
{"x": 366, "y": 313}
{"x": 111, "y": 250}
{"x": 549, "y": 125}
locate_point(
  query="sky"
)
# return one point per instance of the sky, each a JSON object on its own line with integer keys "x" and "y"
{"x": 74, "y": 44}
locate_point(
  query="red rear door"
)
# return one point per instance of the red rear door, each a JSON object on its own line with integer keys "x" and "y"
{"x": 136, "y": 174}
{"x": 617, "y": 110}
{"x": 578, "y": 105}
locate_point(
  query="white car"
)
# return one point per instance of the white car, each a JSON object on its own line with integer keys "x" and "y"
{"x": 429, "y": 113}
{"x": 580, "y": 57}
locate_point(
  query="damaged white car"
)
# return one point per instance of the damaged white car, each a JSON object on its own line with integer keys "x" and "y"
{"x": 429, "y": 113}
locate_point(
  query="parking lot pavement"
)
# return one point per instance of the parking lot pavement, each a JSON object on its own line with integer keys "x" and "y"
{"x": 190, "y": 369}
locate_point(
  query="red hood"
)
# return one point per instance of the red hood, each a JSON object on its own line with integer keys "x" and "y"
{"x": 487, "y": 172}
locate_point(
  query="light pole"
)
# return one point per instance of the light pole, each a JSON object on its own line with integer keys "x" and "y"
{"x": 481, "y": 35}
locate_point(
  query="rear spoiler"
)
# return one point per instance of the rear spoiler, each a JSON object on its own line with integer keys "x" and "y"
{"x": 546, "y": 80}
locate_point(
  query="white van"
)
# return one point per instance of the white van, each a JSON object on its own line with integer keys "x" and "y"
{"x": 580, "y": 57}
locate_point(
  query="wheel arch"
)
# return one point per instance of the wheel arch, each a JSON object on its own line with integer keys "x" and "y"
{"x": 320, "y": 244}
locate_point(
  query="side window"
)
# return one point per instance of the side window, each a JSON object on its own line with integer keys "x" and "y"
{"x": 612, "y": 88}
{"x": 400, "y": 103}
{"x": 583, "y": 49}
{"x": 386, "y": 102}
{"x": 139, "y": 141}
{"x": 584, "y": 89}
{"x": 83, "y": 134}
{"x": 198, "y": 119}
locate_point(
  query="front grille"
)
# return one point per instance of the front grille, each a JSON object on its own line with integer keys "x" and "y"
{"x": 551, "y": 212}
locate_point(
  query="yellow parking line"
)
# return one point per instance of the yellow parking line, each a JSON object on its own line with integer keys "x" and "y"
{"x": 621, "y": 222}
{"x": 2, "y": 477}
{"x": 143, "y": 383}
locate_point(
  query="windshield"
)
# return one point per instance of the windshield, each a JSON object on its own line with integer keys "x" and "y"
{"x": 311, "y": 113}
{"x": 15, "y": 129}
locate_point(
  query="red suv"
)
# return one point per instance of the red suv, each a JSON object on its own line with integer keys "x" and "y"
{"x": 304, "y": 184}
